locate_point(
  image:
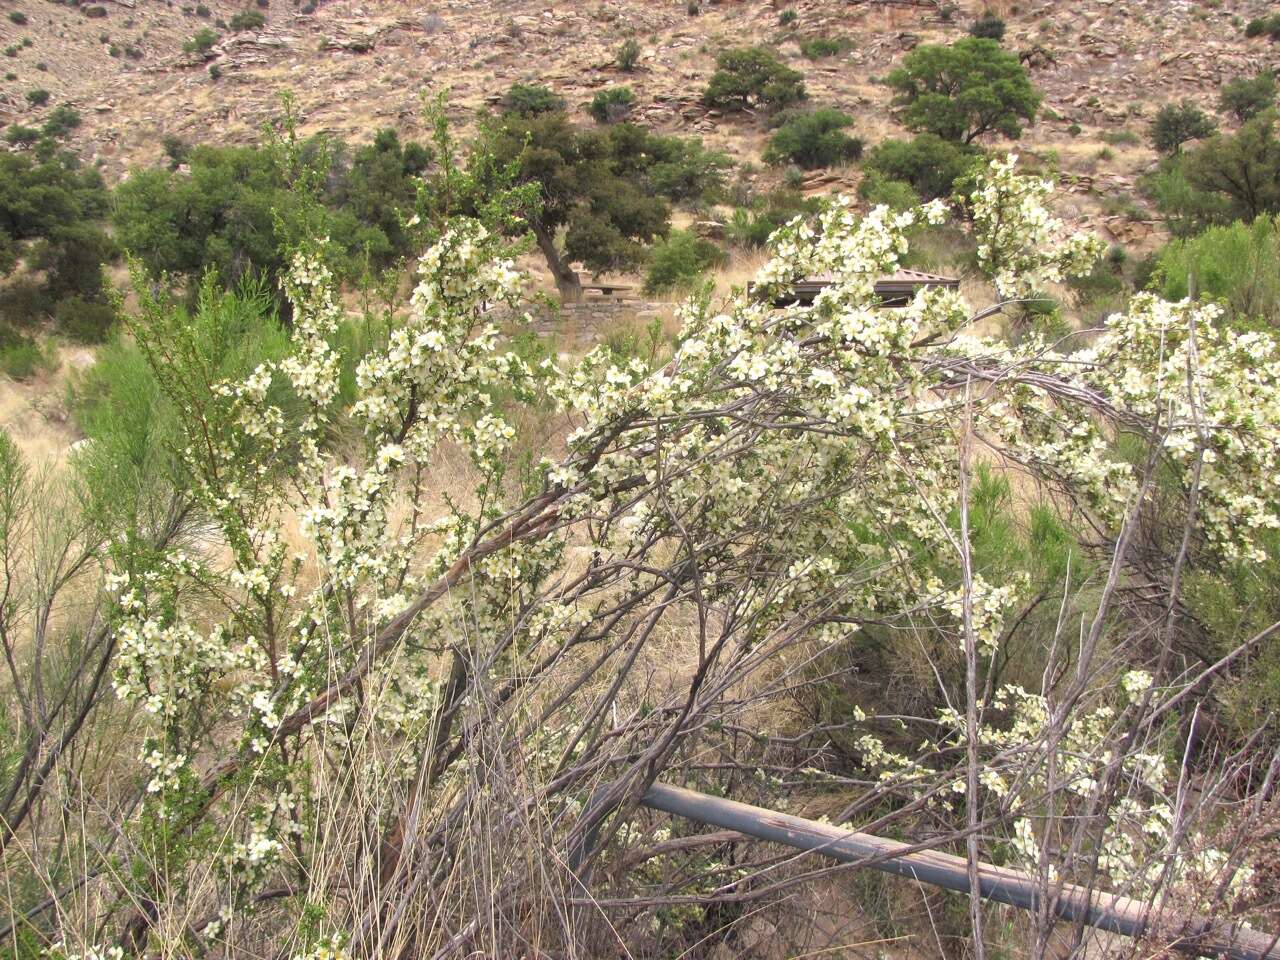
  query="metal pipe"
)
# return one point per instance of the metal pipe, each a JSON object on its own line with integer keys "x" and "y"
{"x": 1199, "y": 936}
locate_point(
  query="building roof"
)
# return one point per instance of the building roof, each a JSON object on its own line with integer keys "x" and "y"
{"x": 900, "y": 282}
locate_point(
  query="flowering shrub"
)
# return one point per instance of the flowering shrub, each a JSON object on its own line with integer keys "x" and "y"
{"x": 474, "y": 669}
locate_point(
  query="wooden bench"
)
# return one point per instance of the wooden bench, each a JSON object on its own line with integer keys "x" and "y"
{"x": 607, "y": 289}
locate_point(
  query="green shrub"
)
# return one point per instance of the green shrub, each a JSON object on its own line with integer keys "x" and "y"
{"x": 628, "y": 55}
{"x": 24, "y": 303}
{"x": 929, "y": 164}
{"x": 819, "y": 47}
{"x": 215, "y": 71}
{"x": 753, "y": 76}
{"x": 85, "y": 321}
{"x": 678, "y": 262}
{"x": 20, "y": 357}
{"x": 61, "y": 121}
{"x": 202, "y": 41}
{"x": 1176, "y": 123}
{"x": 988, "y": 26}
{"x": 1246, "y": 97}
{"x": 963, "y": 91}
{"x": 11, "y": 51}
{"x": 21, "y": 136}
{"x": 38, "y": 97}
{"x": 18, "y": 17}
{"x": 1237, "y": 265}
{"x": 751, "y": 226}
{"x": 1270, "y": 26}
{"x": 612, "y": 104}
{"x": 1118, "y": 138}
{"x": 813, "y": 139}
{"x": 248, "y": 20}
{"x": 1074, "y": 130}
{"x": 176, "y": 149}
{"x": 529, "y": 100}
{"x": 787, "y": 18}
{"x": 895, "y": 194}
{"x": 203, "y": 11}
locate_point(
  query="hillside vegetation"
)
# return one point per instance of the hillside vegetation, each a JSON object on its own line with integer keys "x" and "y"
{"x": 413, "y": 451}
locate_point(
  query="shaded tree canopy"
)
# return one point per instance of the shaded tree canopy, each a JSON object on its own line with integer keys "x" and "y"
{"x": 1176, "y": 123}
{"x": 230, "y": 209}
{"x": 609, "y": 190}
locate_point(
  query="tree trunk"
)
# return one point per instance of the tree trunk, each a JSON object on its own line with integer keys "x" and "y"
{"x": 567, "y": 281}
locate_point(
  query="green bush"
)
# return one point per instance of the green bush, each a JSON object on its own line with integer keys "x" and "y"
{"x": 1118, "y": 138}
{"x": 530, "y": 100}
{"x": 20, "y": 357}
{"x": 963, "y": 91}
{"x": 37, "y": 97}
{"x": 788, "y": 17}
{"x": 202, "y": 41}
{"x": 679, "y": 261}
{"x": 176, "y": 149}
{"x": 895, "y": 194}
{"x": 60, "y": 122}
{"x": 929, "y": 164}
{"x": 813, "y": 139}
{"x": 248, "y": 20}
{"x": 1246, "y": 97}
{"x": 1176, "y": 123}
{"x": 753, "y": 76}
{"x": 628, "y": 55}
{"x": 1270, "y": 26}
{"x": 18, "y": 17}
{"x": 24, "y": 303}
{"x": 612, "y": 104}
{"x": 752, "y": 224}
{"x": 1237, "y": 265}
{"x": 85, "y": 321}
{"x": 988, "y": 26}
{"x": 21, "y": 136}
{"x": 819, "y": 47}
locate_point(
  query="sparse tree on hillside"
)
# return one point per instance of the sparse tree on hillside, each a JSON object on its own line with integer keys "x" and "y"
{"x": 753, "y": 76}
{"x": 966, "y": 90}
{"x": 1176, "y": 123}
{"x": 529, "y": 100}
{"x": 1240, "y": 173}
{"x": 1246, "y": 97}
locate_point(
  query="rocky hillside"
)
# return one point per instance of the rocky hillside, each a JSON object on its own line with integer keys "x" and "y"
{"x": 1105, "y": 66}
